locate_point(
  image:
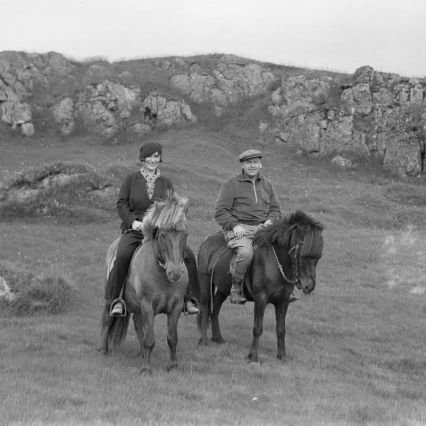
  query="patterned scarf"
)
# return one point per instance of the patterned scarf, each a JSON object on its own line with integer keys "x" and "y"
{"x": 150, "y": 180}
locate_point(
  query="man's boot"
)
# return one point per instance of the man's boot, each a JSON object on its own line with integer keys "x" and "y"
{"x": 237, "y": 296}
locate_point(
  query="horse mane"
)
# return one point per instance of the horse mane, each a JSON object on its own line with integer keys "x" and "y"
{"x": 168, "y": 214}
{"x": 280, "y": 233}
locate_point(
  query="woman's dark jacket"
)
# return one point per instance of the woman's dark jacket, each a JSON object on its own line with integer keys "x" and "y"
{"x": 133, "y": 200}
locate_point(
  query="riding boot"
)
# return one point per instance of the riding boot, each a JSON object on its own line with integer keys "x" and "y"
{"x": 237, "y": 296}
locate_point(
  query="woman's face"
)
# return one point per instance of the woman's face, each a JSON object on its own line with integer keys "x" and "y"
{"x": 151, "y": 163}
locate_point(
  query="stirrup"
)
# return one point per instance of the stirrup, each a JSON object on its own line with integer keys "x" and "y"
{"x": 195, "y": 303}
{"x": 119, "y": 300}
{"x": 292, "y": 298}
{"x": 237, "y": 297}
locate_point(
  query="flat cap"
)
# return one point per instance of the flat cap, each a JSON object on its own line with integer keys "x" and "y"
{"x": 249, "y": 154}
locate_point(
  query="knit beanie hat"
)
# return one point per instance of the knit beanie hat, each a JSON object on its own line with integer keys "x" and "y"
{"x": 150, "y": 148}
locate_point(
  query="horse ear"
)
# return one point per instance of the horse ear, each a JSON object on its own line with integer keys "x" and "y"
{"x": 185, "y": 204}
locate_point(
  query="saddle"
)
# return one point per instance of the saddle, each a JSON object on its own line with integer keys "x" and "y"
{"x": 221, "y": 252}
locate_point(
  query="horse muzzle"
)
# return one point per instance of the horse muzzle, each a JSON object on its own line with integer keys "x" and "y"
{"x": 175, "y": 272}
{"x": 307, "y": 285}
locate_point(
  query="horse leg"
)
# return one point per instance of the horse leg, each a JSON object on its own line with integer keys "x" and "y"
{"x": 147, "y": 319}
{"x": 106, "y": 324}
{"x": 172, "y": 336}
{"x": 280, "y": 314}
{"x": 259, "y": 312}
{"x": 138, "y": 323}
{"x": 204, "y": 301}
{"x": 218, "y": 300}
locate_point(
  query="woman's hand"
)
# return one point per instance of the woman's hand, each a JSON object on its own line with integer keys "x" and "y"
{"x": 137, "y": 225}
{"x": 238, "y": 231}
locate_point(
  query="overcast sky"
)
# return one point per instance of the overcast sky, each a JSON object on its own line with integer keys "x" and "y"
{"x": 338, "y": 35}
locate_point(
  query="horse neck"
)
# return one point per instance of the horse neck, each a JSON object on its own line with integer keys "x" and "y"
{"x": 282, "y": 253}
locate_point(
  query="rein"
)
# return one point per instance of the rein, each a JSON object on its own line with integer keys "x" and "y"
{"x": 295, "y": 265}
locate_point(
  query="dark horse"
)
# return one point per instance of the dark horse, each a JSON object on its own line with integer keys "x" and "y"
{"x": 156, "y": 283}
{"x": 286, "y": 254}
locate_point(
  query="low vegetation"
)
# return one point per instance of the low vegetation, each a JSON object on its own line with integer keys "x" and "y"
{"x": 29, "y": 294}
{"x": 355, "y": 348}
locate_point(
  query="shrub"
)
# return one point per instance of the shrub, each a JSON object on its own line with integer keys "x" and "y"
{"x": 61, "y": 190}
{"x": 34, "y": 294}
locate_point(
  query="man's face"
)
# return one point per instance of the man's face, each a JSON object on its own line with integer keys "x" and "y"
{"x": 251, "y": 167}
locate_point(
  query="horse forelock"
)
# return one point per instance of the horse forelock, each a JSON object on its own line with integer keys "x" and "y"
{"x": 312, "y": 243}
{"x": 311, "y": 230}
{"x": 169, "y": 215}
{"x": 284, "y": 231}
{"x": 300, "y": 218}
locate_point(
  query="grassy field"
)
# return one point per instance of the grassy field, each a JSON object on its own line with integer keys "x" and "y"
{"x": 356, "y": 347}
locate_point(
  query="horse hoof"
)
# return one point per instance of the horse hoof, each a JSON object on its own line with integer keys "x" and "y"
{"x": 284, "y": 358}
{"x": 203, "y": 342}
{"x": 252, "y": 359}
{"x": 103, "y": 351}
{"x": 218, "y": 340}
{"x": 172, "y": 366}
{"x": 146, "y": 371}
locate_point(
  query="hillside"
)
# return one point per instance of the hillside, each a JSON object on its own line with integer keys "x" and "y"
{"x": 355, "y": 347}
{"x": 368, "y": 114}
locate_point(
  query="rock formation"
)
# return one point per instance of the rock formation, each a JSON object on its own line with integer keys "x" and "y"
{"x": 375, "y": 114}
{"x": 372, "y": 113}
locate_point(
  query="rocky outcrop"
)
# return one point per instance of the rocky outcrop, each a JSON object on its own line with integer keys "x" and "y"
{"x": 20, "y": 73}
{"x": 105, "y": 108}
{"x": 108, "y": 108}
{"x": 376, "y": 114}
{"x": 158, "y": 110}
{"x": 80, "y": 96}
{"x": 230, "y": 81}
{"x": 57, "y": 189}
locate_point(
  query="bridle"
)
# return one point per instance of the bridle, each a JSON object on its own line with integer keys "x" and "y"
{"x": 158, "y": 250}
{"x": 294, "y": 255}
{"x": 159, "y": 256}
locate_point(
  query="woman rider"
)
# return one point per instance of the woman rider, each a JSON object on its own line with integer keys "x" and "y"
{"x": 137, "y": 193}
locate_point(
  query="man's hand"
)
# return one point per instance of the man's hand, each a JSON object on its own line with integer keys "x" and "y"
{"x": 238, "y": 231}
{"x": 137, "y": 225}
{"x": 267, "y": 223}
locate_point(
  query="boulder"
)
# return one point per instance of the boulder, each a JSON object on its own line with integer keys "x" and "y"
{"x": 63, "y": 113}
{"x": 5, "y": 291}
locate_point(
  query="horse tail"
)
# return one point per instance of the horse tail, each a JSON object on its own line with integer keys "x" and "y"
{"x": 118, "y": 330}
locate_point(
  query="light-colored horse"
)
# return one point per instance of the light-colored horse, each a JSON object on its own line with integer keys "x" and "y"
{"x": 156, "y": 283}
